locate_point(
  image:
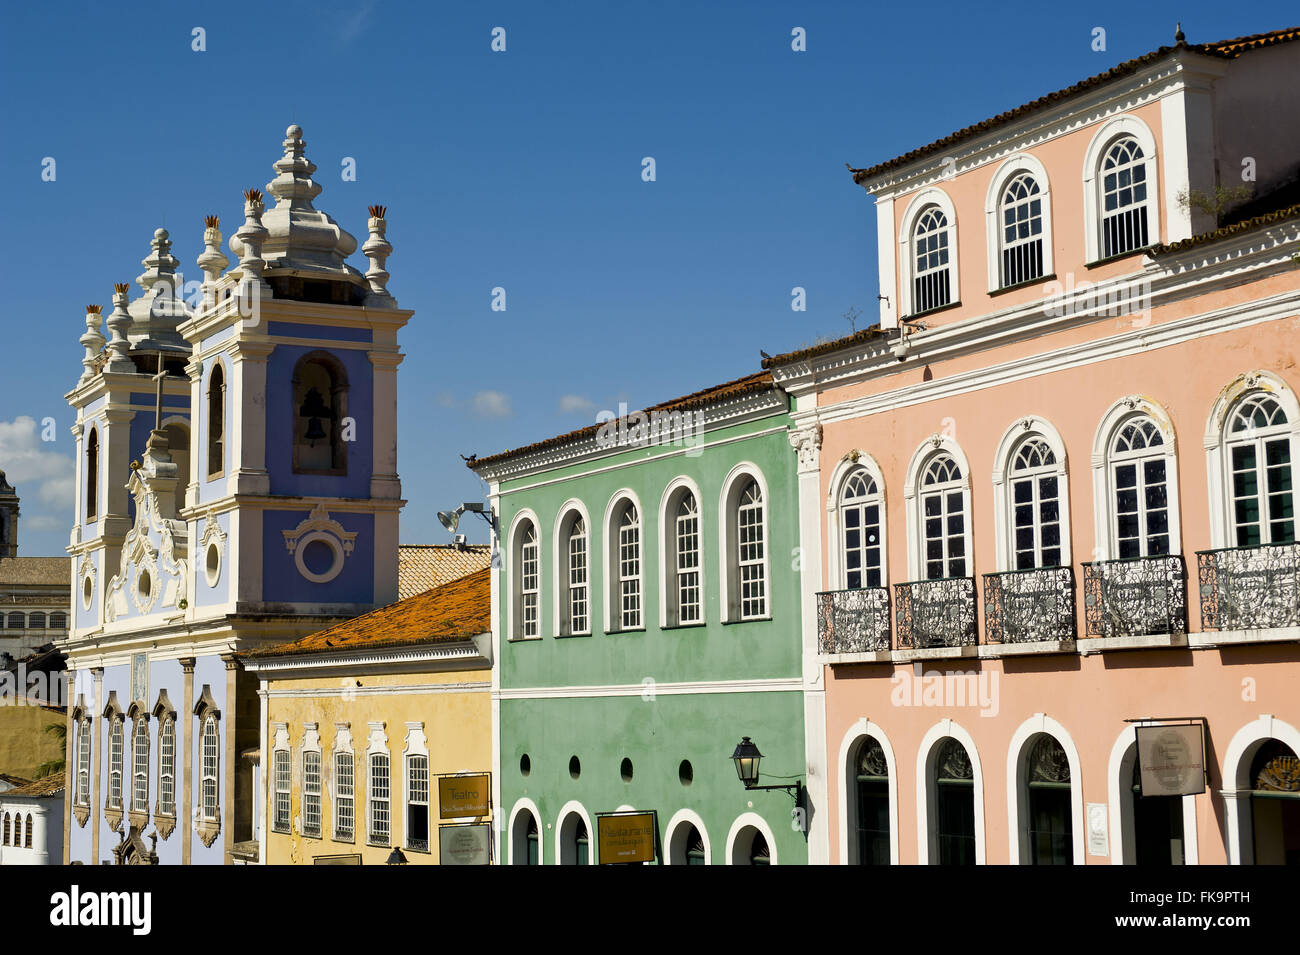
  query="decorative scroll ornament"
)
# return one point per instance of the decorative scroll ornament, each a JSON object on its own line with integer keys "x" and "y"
{"x": 320, "y": 527}
{"x": 807, "y": 443}
{"x": 168, "y": 558}
{"x": 873, "y": 761}
{"x": 1048, "y": 762}
{"x": 954, "y": 761}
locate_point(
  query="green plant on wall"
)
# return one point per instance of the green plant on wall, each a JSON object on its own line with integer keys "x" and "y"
{"x": 1216, "y": 203}
{"x": 60, "y": 732}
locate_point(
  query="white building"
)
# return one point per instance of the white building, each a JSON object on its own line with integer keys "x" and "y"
{"x": 31, "y": 823}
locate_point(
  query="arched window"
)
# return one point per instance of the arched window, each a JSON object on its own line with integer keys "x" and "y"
{"x": 344, "y": 796}
{"x": 280, "y": 763}
{"x": 1124, "y": 198}
{"x": 1262, "y": 478}
{"x": 1275, "y": 804}
{"x": 954, "y": 782}
{"x": 210, "y": 749}
{"x": 311, "y": 787}
{"x": 575, "y": 848}
{"x": 532, "y": 855}
{"x": 140, "y": 766}
{"x": 167, "y": 766}
{"x": 5, "y": 840}
{"x": 625, "y": 559}
{"x": 1035, "y": 506}
{"x": 217, "y": 422}
{"x": 83, "y": 762}
{"x": 1051, "y": 835}
{"x": 759, "y": 854}
{"x": 92, "y": 475}
{"x": 1139, "y": 483}
{"x": 29, "y": 831}
{"x": 575, "y": 602}
{"x": 379, "y": 799}
{"x": 527, "y": 575}
{"x": 1157, "y": 824}
{"x": 115, "y": 744}
{"x": 931, "y": 277}
{"x": 860, "y": 519}
{"x": 751, "y": 554}
{"x": 1021, "y": 231}
{"x": 943, "y": 519}
{"x": 872, "y": 804}
{"x": 320, "y": 397}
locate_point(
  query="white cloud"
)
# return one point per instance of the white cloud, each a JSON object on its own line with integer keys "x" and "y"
{"x": 43, "y": 477}
{"x": 492, "y": 404}
{"x": 572, "y": 404}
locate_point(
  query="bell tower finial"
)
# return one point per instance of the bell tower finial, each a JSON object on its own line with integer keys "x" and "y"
{"x": 92, "y": 340}
{"x": 119, "y": 323}
{"x": 212, "y": 260}
{"x": 251, "y": 235}
{"x": 377, "y": 249}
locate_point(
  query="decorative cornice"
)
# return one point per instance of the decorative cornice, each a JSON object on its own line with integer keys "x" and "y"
{"x": 461, "y": 651}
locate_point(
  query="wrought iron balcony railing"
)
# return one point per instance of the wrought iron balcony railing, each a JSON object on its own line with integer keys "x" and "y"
{"x": 853, "y": 621}
{"x": 1029, "y": 606}
{"x": 935, "y": 613}
{"x": 1135, "y": 597}
{"x": 1250, "y": 588}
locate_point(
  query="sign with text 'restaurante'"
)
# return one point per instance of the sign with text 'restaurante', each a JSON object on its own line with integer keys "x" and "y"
{"x": 629, "y": 837}
{"x": 460, "y": 796}
{"x": 1172, "y": 759}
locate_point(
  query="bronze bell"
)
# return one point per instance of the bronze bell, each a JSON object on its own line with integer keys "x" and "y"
{"x": 314, "y": 407}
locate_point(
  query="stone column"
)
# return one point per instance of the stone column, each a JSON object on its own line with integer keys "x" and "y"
{"x": 69, "y": 767}
{"x": 97, "y": 747}
{"x": 185, "y": 823}
{"x": 249, "y": 411}
{"x": 231, "y": 713}
{"x": 259, "y": 831}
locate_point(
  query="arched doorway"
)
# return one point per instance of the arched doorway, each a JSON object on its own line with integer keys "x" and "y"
{"x": 1275, "y": 804}
{"x": 1157, "y": 825}
{"x": 871, "y": 804}
{"x": 1051, "y": 835}
{"x": 954, "y": 782}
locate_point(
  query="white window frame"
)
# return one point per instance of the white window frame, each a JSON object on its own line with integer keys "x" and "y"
{"x": 210, "y": 720}
{"x": 728, "y": 541}
{"x": 929, "y": 448}
{"x": 514, "y": 578}
{"x": 416, "y": 746}
{"x": 167, "y": 765}
{"x": 377, "y": 745}
{"x": 1092, "y": 180}
{"x": 116, "y": 755}
{"x": 851, "y": 464}
{"x": 311, "y": 747}
{"x": 84, "y": 741}
{"x": 1009, "y": 170}
{"x": 563, "y": 587}
{"x": 927, "y": 197}
{"x": 140, "y": 774}
{"x": 342, "y": 748}
{"x": 279, "y": 748}
{"x": 669, "y": 594}
{"x": 1218, "y": 461}
{"x": 1012, "y": 440}
{"x": 1105, "y": 533}
{"x": 611, "y": 563}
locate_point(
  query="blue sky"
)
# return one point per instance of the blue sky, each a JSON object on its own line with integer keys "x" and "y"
{"x": 519, "y": 169}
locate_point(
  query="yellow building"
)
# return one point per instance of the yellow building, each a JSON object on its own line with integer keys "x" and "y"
{"x": 362, "y": 722}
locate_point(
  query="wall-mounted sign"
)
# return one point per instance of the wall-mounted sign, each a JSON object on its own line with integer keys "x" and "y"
{"x": 351, "y": 858}
{"x": 1172, "y": 759}
{"x": 461, "y": 796}
{"x": 465, "y": 845}
{"x": 627, "y": 837}
{"x": 1098, "y": 816}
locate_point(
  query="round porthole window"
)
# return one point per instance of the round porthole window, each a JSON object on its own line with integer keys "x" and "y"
{"x": 686, "y": 772}
{"x": 212, "y": 564}
{"x": 625, "y": 770}
{"x": 87, "y": 591}
{"x": 575, "y": 767}
{"x": 319, "y": 557}
{"x": 525, "y": 765}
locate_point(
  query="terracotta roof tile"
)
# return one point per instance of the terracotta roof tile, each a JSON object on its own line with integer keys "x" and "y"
{"x": 1227, "y": 49}
{"x": 760, "y": 381}
{"x": 455, "y": 611}
{"x": 823, "y": 348}
{"x": 422, "y": 567}
{"x": 49, "y": 786}
{"x": 52, "y": 571}
{"x": 13, "y": 780}
{"x": 1245, "y": 225}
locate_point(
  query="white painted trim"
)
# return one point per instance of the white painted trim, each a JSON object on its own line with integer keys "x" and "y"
{"x": 1126, "y": 125}
{"x": 1106, "y": 546}
{"x": 612, "y": 591}
{"x": 560, "y": 565}
{"x": 1010, "y": 168}
{"x": 844, "y": 468}
{"x": 743, "y": 821}
{"x": 410, "y": 689}
{"x": 886, "y": 264}
{"x": 522, "y": 805}
{"x": 771, "y": 685}
{"x": 1003, "y": 512}
{"x": 927, "y": 797}
{"x": 1017, "y": 779}
{"x": 728, "y": 563}
{"x": 668, "y": 549}
{"x": 853, "y": 737}
{"x": 572, "y": 810}
{"x": 929, "y": 196}
{"x": 1217, "y": 463}
{"x": 929, "y": 448}
{"x": 677, "y": 824}
{"x": 1238, "y": 818}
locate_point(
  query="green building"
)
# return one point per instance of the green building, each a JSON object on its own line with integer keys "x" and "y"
{"x": 647, "y": 616}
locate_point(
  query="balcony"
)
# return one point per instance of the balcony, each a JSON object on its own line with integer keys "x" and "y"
{"x": 936, "y": 617}
{"x": 854, "y": 623}
{"x": 1250, "y": 589}
{"x": 1135, "y": 603}
{"x": 1029, "y": 611}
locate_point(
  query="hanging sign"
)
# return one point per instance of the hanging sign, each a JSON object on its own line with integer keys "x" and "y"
{"x": 465, "y": 845}
{"x": 1172, "y": 759}
{"x": 627, "y": 837}
{"x": 461, "y": 796}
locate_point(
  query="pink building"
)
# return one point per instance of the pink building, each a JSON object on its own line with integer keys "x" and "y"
{"x": 1050, "y": 502}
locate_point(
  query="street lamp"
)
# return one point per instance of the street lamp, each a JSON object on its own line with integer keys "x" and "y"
{"x": 451, "y": 519}
{"x": 395, "y": 857}
{"x": 746, "y": 757}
